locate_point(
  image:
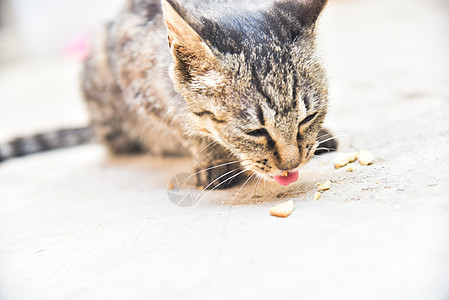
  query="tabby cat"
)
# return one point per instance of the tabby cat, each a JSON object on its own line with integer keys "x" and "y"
{"x": 237, "y": 87}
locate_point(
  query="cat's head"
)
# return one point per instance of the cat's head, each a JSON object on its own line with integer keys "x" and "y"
{"x": 251, "y": 81}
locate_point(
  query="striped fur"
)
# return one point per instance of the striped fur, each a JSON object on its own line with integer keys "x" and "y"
{"x": 229, "y": 83}
{"x": 41, "y": 142}
{"x": 223, "y": 81}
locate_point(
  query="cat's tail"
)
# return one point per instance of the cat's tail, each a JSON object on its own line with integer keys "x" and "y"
{"x": 41, "y": 142}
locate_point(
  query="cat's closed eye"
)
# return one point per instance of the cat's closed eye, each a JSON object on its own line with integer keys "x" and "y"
{"x": 308, "y": 119}
{"x": 258, "y": 132}
{"x": 262, "y": 132}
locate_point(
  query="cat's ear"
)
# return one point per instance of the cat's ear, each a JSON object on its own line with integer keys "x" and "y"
{"x": 183, "y": 40}
{"x": 313, "y": 9}
{"x": 304, "y": 12}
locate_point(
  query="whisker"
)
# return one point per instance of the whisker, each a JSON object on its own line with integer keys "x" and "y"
{"x": 218, "y": 178}
{"x": 246, "y": 169}
{"x": 213, "y": 142}
{"x": 198, "y": 198}
{"x": 317, "y": 158}
{"x": 325, "y": 135}
{"x": 336, "y": 132}
{"x": 325, "y": 149}
{"x": 329, "y": 139}
{"x": 258, "y": 179}
{"x": 232, "y": 201}
{"x": 258, "y": 185}
{"x": 212, "y": 147}
{"x": 205, "y": 195}
{"x": 232, "y": 162}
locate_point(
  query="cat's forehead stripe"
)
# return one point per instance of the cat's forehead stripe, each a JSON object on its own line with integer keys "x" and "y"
{"x": 294, "y": 87}
{"x": 260, "y": 115}
{"x": 210, "y": 115}
{"x": 306, "y": 101}
{"x": 275, "y": 106}
{"x": 259, "y": 87}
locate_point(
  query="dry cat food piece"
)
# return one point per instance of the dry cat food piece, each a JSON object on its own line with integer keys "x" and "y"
{"x": 282, "y": 210}
{"x": 317, "y": 196}
{"x": 351, "y": 167}
{"x": 325, "y": 186}
{"x": 342, "y": 159}
{"x": 365, "y": 158}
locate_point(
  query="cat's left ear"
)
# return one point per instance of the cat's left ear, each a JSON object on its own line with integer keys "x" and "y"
{"x": 181, "y": 36}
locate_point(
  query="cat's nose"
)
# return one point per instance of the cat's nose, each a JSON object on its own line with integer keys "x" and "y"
{"x": 287, "y": 165}
{"x": 287, "y": 158}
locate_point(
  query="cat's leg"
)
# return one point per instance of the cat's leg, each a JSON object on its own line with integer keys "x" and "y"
{"x": 216, "y": 167}
{"x": 117, "y": 139}
{"x": 327, "y": 142}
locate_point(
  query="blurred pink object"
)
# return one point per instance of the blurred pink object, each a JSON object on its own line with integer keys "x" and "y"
{"x": 78, "y": 47}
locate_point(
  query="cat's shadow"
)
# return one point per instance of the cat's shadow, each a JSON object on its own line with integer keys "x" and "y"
{"x": 255, "y": 191}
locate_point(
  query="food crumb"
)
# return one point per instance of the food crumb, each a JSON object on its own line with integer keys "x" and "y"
{"x": 350, "y": 167}
{"x": 282, "y": 210}
{"x": 342, "y": 159}
{"x": 365, "y": 158}
{"x": 201, "y": 187}
{"x": 317, "y": 196}
{"x": 170, "y": 186}
{"x": 325, "y": 186}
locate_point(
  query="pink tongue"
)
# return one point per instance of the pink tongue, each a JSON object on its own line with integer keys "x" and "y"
{"x": 286, "y": 180}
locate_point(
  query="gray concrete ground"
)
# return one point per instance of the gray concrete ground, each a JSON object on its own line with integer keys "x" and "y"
{"x": 76, "y": 224}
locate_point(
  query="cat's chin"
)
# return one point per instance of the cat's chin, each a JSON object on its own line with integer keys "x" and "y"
{"x": 289, "y": 178}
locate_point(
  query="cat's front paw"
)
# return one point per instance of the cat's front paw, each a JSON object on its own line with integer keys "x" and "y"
{"x": 220, "y": 175}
